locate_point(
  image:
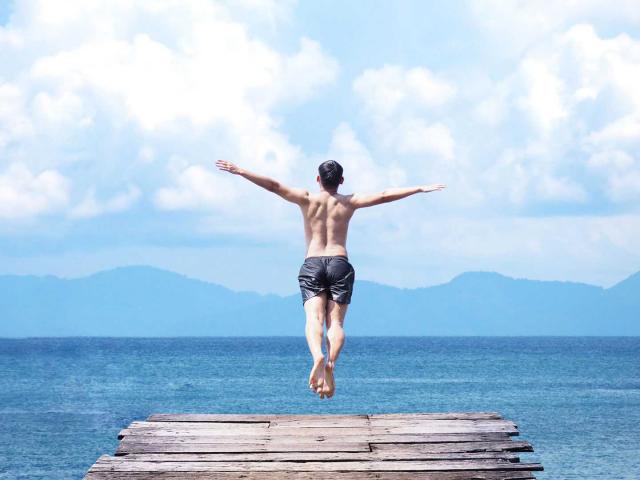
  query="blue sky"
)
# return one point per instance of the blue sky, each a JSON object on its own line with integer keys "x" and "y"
{"x": 112, "y": 114}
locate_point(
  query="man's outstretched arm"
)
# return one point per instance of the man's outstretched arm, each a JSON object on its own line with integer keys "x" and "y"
{"x": 294, "y": 195}
{"x": 361, "y": 200}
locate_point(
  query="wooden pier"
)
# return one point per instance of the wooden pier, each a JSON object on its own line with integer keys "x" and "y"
{"x": 423, "y": 446}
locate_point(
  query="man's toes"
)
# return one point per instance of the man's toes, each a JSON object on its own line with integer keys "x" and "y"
{"x": 314, "y": 376}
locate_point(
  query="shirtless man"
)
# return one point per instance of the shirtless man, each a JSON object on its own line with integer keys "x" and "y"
{"x": 326, "y": 276}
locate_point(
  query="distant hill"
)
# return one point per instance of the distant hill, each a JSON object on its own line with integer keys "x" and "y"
{"x": 145, "y": 301}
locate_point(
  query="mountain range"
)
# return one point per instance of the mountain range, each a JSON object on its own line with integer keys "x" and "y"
{"x": 146, "y": 301}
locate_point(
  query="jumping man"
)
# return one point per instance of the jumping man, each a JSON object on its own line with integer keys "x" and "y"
{"x": 326, "y": 276}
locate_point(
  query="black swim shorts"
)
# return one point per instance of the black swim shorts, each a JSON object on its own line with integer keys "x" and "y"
{"x": 327, "y": 273}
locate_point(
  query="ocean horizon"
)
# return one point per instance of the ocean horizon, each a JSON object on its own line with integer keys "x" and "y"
{"x": 63, "y": 400}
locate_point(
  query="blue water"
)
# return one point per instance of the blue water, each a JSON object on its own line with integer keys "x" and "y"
{"x": 577, "y": 399}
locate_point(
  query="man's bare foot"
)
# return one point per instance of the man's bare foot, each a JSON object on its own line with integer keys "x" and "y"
{"x": 321, "y": 388}
{"x": 329, "y": 382}
{"x": 316, "y": 372}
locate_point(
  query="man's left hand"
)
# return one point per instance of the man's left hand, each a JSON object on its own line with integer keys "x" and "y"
{"x": 228, "y": 167}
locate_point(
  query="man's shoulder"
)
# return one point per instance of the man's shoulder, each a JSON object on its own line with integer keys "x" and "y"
{"x": 346, "y": 197}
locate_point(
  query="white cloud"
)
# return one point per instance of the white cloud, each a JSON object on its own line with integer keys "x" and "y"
{"x": 542, "y": 94}
{"x": 106, "y": 92}
{"x": 517, "y": 25}
{"x": 622, "y": 131}
{"x": 92, "y": 207}
{"x": 24, "y": 194}
{"x": 414, "y": 136}
{"x": 306, "y": 71}
{"x": 572, "y": 97}
{"x": 594, "y": 249}
{"x": 14, "y": 123}
{"x": 400, "y": 104}
{"x": 219, "y": 75}
{"x": 197, "y": 188}
{"x": 551, "y": 187}
{"x": 389, "y": 89}
{"x": 273, "y": 12}
{"x": 360, "y": 170}
{"x": 526, "y": 176}
{"x": 490, "y": 111}
{"x": 59, "y": 111}
{"x": 622, "y": 174}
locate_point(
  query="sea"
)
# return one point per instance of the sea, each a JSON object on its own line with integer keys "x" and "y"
{"x": 576, "y": 399}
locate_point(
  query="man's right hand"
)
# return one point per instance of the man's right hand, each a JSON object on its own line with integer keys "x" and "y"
{"x": 433, "y": 188}
{"x": 228, "y": 167}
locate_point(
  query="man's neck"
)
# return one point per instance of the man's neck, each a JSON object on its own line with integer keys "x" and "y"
{"x": 330, "y": 192}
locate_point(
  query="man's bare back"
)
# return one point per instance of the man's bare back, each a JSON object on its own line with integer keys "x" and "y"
{"x": 326, "y": 277}
{"x": 326, "y": 222}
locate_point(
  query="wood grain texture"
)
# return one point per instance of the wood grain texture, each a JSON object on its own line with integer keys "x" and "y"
{"x": 123, "y": 464}
{"x": 407, "y": 427}
{"x": 460, "y": 475}
{"x": 231, "y": 417}
{"x": 126, "y": 448}
{"x": 423, "y": 446}
{"x": 345, "y": 438}
{"x": 319, "y": 456}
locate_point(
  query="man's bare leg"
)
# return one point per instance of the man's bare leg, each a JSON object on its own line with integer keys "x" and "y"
{"x": 315, "y": 310}
{"x": 335, "y": 340}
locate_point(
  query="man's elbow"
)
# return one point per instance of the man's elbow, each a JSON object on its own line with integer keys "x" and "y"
{"x": 384, "y": 197}
{"x": 273, "y": 186}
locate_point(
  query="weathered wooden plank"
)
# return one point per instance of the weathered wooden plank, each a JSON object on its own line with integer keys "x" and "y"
{"x": 126, "y": 447}
{"x": 437, "y": 437}
{"x": 209, "y": 417}
{"x": 411, "y": 448}
{"x": 439, "y": 415}
{"x": 240, "y": 426}
{"x": 242, "y": 418}
{"x": 361, "y": 422}
{"x": 230, "y": 441}
{"x": 308, "y": 425}
{"x": 152, "y": 428}
{"x": 328, "y": 435}
{"x": 321, "y": 456}
{"x": 379, "y": 420}
{"x": 459, "y": 475}
{"x": 123, "y": 465}
{"x": 401, "y": 422}
{"x": 250, "y": 418}
{"x": 508, "y": 446}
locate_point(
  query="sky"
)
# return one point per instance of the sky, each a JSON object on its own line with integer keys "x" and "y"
{"x": 112, "y": 114}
